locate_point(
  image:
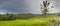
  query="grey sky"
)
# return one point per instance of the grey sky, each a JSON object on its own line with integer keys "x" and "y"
{"x": 26, "y": 6}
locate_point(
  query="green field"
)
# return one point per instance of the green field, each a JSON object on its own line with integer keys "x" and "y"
{"x": 35, "y": 20}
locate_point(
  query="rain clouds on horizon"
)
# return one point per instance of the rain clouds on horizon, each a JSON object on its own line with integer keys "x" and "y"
{"x": 25, "y": 6}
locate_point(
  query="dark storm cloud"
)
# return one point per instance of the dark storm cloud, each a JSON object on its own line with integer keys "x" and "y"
{"x": 24, "y": 6}
{"x": 13, "y": 5}
{"x": 20, "y": 6}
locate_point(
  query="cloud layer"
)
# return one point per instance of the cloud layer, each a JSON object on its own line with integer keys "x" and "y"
{"x": 25, "y": 6}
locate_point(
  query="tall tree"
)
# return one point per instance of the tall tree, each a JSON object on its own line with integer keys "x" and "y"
{"x": 45, "y": 7}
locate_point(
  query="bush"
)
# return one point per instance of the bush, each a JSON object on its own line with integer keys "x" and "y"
{"x": 11, "y": 17}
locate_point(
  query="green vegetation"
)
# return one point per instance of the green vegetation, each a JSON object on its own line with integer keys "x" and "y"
{"x": 28, "y": 20}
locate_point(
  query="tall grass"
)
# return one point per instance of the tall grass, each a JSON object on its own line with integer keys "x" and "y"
{"x": 29, "y": 22}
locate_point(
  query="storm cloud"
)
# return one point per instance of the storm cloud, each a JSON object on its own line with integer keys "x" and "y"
{"x": 26, "y": 6}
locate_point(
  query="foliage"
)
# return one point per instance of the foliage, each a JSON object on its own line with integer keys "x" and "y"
{"x": 23, "y": 16}
{"x": 45, "y": 7}
{"x": 29, "y": 22}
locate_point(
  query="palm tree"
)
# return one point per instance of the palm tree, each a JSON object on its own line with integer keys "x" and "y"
{"x": 45, "y": 7}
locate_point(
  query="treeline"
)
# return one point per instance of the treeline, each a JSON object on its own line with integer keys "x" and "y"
{"x": 7, "y": 17}
{"x": 15, "y": 16}
{"x": 22, "y": 16}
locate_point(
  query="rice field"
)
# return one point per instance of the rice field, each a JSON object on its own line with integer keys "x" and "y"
{"x": 31, "y": 22}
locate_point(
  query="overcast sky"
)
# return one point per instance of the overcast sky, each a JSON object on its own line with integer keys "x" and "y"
{"x": 26, "y": 6}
